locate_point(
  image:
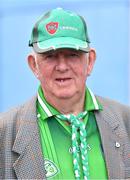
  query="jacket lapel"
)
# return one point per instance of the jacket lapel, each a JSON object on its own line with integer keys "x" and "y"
{"x": 114, "y": 141}
{"x": 29, "y": 164}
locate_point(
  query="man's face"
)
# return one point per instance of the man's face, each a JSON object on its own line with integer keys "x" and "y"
{"x": 62, "y": 73}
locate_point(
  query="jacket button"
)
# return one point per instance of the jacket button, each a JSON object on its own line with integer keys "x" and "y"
{"x": 118, "y": 144}
{"x": 38, "y": 115}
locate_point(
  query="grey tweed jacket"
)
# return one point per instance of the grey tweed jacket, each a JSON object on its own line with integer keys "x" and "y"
{"x": 20, "y": 149}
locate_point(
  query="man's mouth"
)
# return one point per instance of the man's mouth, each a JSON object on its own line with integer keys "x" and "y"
{"x": 63, "y": 79}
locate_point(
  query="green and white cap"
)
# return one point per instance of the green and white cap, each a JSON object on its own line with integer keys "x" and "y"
{"x": 58, "y": 29}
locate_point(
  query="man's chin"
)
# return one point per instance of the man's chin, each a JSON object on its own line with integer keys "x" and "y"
{"x": 65, "y": 95}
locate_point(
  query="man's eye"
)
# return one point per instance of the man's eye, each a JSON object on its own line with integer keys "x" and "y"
{"x": 74, "y": 55}
{"x": 50, "y": 56}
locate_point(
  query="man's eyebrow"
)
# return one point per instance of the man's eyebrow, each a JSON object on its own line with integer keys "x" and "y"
{"x": 45, "y": 53}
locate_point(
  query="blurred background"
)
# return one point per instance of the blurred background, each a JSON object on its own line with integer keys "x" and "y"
{"x": 109, "y": 30}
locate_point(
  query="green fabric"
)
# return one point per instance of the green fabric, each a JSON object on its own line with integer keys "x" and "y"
{"x": 58, "y": 29}
{"x": 56, "y": 141}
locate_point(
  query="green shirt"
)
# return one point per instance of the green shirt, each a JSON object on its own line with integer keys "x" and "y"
{"x": 56, "y": 141}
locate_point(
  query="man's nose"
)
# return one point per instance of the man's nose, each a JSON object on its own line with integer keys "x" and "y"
{"x": 62, "y": 64}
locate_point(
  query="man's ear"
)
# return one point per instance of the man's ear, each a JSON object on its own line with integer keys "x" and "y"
{"x": 91, "y": 61}
{"x": 32, "y": 64}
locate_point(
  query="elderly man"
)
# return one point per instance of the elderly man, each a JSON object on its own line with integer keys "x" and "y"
{"x": 65, "y": 132}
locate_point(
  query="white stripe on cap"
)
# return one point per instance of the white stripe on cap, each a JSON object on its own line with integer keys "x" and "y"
{"x": 45, "y": 108}
{"x": 94, "y": 99}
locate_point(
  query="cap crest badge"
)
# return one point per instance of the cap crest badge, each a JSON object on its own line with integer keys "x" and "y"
{"x": 52, "y": 27}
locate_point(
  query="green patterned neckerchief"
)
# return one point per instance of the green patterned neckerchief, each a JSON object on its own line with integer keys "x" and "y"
{"x": 77, "y": 123}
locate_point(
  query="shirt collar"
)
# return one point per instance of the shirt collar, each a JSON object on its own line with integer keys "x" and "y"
{"x": 91, "y": 104}
{"x": 47, "y": 109}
